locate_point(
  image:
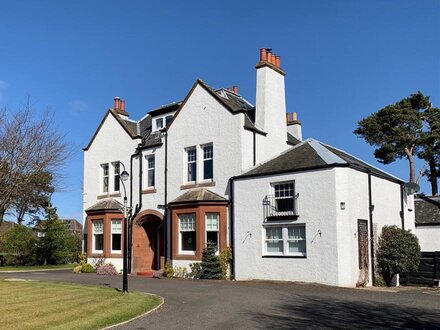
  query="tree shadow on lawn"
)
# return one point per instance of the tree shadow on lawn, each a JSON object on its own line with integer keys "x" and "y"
{"x": 336, "y": 314}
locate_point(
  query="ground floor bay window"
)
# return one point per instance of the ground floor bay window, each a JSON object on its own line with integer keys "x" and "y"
{"x": 194, "y": 224}
{"x": 285, "y": 240}
{"x": 105, "y": 232}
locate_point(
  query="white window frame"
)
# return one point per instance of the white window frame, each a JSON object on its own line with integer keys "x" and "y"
{"x": 187, "y": 162}
{"x": 113, "y": 231}
{"x": 94, "y": 250}
{"x": 156, "y": 120}
{"x": 115, "y": 175}
{"x": 285, "y": 239}
{"x": 273, "y": 188}
{"x": 103, "y": 176}
{"x": 203, "y": 159}
{"x": 148, "y": 169}
{"x": 210, "y": 230}
{"x": 180, "y": 217}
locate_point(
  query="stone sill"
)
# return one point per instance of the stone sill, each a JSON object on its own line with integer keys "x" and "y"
{"x": 197, "y": 185}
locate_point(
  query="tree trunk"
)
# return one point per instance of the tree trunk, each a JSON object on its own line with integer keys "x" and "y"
{"x": 412, "y": 170}
{"x": 433, "y": 176}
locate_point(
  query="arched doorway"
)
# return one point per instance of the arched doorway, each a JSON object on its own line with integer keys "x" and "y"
{"x": 148, "y": 242}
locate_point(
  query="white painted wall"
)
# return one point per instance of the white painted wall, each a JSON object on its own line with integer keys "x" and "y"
{"x": 316, "y": 207}
{"x": 429, "y": 238}
{"x": 270, "y": 114}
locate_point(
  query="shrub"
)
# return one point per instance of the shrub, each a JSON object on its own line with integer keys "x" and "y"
{"x": 195, "y": 270}
{"x": 83, "y": 259}
{"x": 225, "y": 259}
{"x": 77, "y": 269}
{"x": 210, "y": 265}
{"x": 398, "y": 252}
{"x": 378, "y": 281}
{"x": 87, "y": 268}
{"x": 180, "y": 272}
{"x": 168, "y": 271}
{"x": 19, "y": 243}
{"x": 106, "y": 269}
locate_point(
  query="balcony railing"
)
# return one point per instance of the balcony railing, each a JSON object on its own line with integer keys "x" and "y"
{"x": 280, "y": 208}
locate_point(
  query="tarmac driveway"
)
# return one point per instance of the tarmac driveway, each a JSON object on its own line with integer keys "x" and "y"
{"x": 197, "y": 304}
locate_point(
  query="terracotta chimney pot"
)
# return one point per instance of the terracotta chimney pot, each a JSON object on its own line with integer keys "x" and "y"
{"x": 263, "y": 54}
{"x": 269, "y": 57}
{"x": 294, "y": 116}
{"x": 278, "y": 61}
{"x": 117, "y": 103}
{"x": 122, "y": 105}
{"x": 235, "y": 89}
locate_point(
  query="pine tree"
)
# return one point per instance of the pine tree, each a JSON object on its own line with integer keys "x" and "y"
{"x": 210, "y": 265}
{"x": 53, "y": 246}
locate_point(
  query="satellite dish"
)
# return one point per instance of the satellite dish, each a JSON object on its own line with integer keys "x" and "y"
{"x": 411, "y": 187}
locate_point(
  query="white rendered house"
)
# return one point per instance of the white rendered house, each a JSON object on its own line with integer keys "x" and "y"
{"x": 205, "y": 169}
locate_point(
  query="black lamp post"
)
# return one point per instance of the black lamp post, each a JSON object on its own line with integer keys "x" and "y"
{"x": 124, "y": 177}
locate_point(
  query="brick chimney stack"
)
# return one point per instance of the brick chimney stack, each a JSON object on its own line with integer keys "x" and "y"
{"x": 294, "y": 125}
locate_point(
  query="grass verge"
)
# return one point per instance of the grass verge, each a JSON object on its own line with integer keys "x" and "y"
{"x": 24, "y": 268}
{"x": 51, "y": 305}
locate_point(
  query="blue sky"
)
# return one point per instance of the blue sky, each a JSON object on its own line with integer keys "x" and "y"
{"x": 344, "y": 60}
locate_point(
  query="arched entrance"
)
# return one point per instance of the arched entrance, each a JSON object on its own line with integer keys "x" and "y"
{"x": 148, "y": 241}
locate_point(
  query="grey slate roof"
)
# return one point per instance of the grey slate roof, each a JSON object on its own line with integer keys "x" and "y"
{"x": 199, "y": 195}
{"x": 130, "y": 126}
{"x": 292, "y": 140}
{"x": 312, "y": 154}
{"x": 427, "y": 210}
{"x": 108, "y": 204}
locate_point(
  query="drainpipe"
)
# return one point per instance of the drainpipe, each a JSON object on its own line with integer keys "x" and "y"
{"x": 166, "y": 201}
{"x": 371, "y": 209}
{"x": 255, "y": 148}
{"x": 231, "y": 230}
{"x": 138, "y": 206}
{"x": 402, "y": 212}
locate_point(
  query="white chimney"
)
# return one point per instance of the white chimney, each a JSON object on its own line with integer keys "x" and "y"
{"x": 270, "y": 109}
{"x": 294, "y": 125}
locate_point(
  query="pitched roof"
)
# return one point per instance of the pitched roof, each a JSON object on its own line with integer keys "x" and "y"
{"x": 108, "y": 204}
{"x": 427, "y": 210}
{"x": 198, "y": 195}
{"x": 312, "y": 154}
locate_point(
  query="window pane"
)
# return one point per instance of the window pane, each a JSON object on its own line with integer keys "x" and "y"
{"x": 297, "y": 232}
{"x": 188, "y": 240}
{"x": 207, "y": 152}
{"x": 168, "y": 119}
{"x": 297, "y": 247}
{"x": 192, "y": 155}
{"x": 105, "y": 184}
{"x": 212, "y": 236}
{"x": 212, "y": 221}
{"x": 98, "y": 227}
{"x": 192, "y": 172}
{"x": 116, "y": 242}
{"x": 117, "y": 182}
{"x": 207, "y": 169}
{"x": 150, "y": 178}
{"x": 116, "y": 226}
{"x": 159, "y": 123}
{"x": 274, "y": 233}
{"x": 151, "y": 162}
{"x": 99, "y": 241}
{"x": 275, "y": 246}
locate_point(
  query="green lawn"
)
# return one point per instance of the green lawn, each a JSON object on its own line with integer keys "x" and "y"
{"x": 50, "y": 305}
{"x": 18, "y": 268}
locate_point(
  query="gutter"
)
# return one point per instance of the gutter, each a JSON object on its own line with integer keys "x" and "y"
{"x": 166, "y": 202}
{"x": 402, "y": 212}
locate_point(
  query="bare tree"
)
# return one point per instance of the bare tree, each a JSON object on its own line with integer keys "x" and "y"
{"x": 28, "y": 146}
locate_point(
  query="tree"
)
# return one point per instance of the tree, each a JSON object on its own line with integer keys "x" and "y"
{"x": 210, "y": 267}
{"x": 398, "y": 252}
{"x": 53, "y": 245}
{"x": 19, "y": 242}
{"x": 29, "y": 147}
{"x": 396, "y": 130}
{"x": 40, "y": 189}
{"x": 430, "y": 145}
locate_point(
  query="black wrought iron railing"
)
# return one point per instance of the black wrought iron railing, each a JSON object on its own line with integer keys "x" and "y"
{"x": 280, "y": 208}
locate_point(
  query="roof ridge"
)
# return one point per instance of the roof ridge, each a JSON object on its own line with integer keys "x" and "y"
{"x": 326, "y": 155}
